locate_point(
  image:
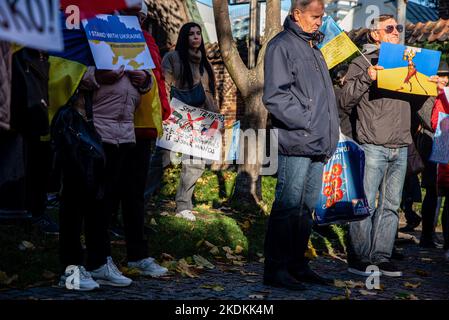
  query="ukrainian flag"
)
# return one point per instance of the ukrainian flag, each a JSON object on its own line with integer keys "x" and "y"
{"x": 336, "y": 46}
{"x": 67, "y": 68}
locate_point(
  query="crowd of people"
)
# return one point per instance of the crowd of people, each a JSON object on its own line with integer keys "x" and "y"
{"x": 308, "y": 105}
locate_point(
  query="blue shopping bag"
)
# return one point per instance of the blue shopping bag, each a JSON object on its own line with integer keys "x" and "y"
{"x": 342, "y": 197}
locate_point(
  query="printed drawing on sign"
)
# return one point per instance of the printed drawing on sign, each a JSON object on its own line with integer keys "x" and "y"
{"x": 193, "y": 131}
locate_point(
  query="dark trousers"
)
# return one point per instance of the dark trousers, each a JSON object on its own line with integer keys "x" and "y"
{"x": 38, "y": 168}
{"x": 445, "y": 218}
{"x": 290, "y": 223}
{"x": 410, "y": 195}
{"x": 81, "y": 206}
{"x": 126, "y": 169}
{"x": 429, "y": 207}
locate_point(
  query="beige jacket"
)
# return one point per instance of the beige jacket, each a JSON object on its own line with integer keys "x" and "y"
{"x": 5, "y": 85}
{"x": 113, "y": 108}
{"x": 172, "y": 66}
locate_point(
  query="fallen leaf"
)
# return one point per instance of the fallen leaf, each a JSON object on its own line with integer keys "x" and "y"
{"x": 347, "y": 293}
{"x": 351, "y": 284}
{"x": 184, "y": 268}
{"x": 48, "y": 275}
{"x": 228, "y": 250}
{"x": 153, "y": 222}
{"x": 238, "y": 249}
{"x": 422, "y": 273}
{"x": 262, "y": 260}
{"x": 5, "y": 280}
{"x": 238, "y": 263}
{"x": 406, "y": 296}
{"x": 130, "y": 272}
{"x": 214, "y": 287}
{"x": 26, "y": 245}
{"x": 338, "y": 298}
{"x": 426, "y": 259}
{"x": 311, "y": 253}
{"x": 412, "y": 285}
{"x": 215, "y": 251}
{"x": 210, "y": 245}
{"x": 251, "y": 280}
{"x": 166, "y": 256}
{"x": 367, "y": 293}
{"x": 202, "y": 262}
{"x": 199, "y": 243}
{"x": 260, "y": 255}
{"x": 244, "y": 273}
{"x": 339, "y": 284}
{"x": 245, "y": 225}
{"x": 164, "y": 213}
{"x": 231, "y": 257}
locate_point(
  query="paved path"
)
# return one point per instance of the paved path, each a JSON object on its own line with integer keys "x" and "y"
{"x": 423, "y": 269}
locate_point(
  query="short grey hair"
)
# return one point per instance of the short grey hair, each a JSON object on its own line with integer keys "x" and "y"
{"x": 302, "y": 4}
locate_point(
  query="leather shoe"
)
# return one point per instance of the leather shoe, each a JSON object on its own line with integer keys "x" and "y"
{"x": 309, "y": 276}
{"x": 283, "y": 279}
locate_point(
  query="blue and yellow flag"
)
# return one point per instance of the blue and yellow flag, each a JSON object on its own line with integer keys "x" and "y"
{"x": 336, "y": 46}
{"x": 67, "y": 68}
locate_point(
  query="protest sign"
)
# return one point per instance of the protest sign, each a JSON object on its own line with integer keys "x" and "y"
{"x": 440, "y": 147}
{"x": 192, "y": 131}
{"x": 34, "y": 24}
{"x": 117, "y": 41}
{"x": 336, "y": 46}
{"x": 407, "y": 69}
{"x": 232, "y": 140}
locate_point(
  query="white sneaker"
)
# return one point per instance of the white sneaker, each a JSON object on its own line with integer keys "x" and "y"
{"x": 77, "y": 278}
{"x": 109, "y": 275}
{"x": 148, "y": 267}
{"x": 186, "y": 214}
{"x": 446, "y": 256}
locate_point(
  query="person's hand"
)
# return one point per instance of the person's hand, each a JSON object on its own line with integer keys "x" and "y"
{"x": 440, "y": 81}
{"x": 138, "y": 78}
{"x": 372, "y": 71}
{"x": 109, "y": 76}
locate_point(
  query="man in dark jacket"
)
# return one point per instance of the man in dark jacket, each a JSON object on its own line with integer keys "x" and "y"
{"x": 383, "y": 130}
{"x": 299, "y": 95}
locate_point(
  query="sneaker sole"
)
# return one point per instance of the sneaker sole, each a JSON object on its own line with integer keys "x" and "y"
{"x": 63, "y": 286}
{"x": 364, "y": 273}
{"x": 153, "y": 275}
{"x": 112, "y": 284}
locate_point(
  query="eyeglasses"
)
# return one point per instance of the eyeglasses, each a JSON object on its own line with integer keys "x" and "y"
{"x": 390, "y": 28}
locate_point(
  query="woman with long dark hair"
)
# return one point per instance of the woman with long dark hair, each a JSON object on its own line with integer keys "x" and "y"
{"x": 190, "y": 78}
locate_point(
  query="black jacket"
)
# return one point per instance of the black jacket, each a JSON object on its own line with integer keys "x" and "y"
{"x": 298, "y": 93}
{"x": 384, "y": 117}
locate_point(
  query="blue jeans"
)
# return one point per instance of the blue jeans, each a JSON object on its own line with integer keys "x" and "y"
{"x": 372, "y": 239}
{"x": 290, "y": 223}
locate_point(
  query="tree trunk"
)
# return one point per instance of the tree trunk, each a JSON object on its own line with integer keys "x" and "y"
{"x": 248, "y": 185}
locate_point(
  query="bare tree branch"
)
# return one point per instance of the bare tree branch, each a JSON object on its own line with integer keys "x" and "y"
{"x": 231, "y": 57}
{"x": 273, "y": 18}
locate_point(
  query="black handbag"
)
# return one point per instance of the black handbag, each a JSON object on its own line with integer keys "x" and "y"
{"x": 29, "y": 92}
{"x": 77, "y": 143}
{"x": 415, "y": 163}
{"x": 195, "y": 97}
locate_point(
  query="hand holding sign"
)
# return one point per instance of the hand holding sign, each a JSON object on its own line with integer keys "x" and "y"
{"x": 109, "y": 76}
{"x": 372, "y": 71}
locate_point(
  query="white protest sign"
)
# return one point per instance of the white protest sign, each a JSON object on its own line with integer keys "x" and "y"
{"x": 193, "y": 131}
{"x": 32, "y": 23}
{"x": 440, "y": 147}
{"x": 117, "y": 41}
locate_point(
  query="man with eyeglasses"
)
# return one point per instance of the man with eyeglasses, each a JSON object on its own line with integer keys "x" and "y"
{"x": 383, "y": 130}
